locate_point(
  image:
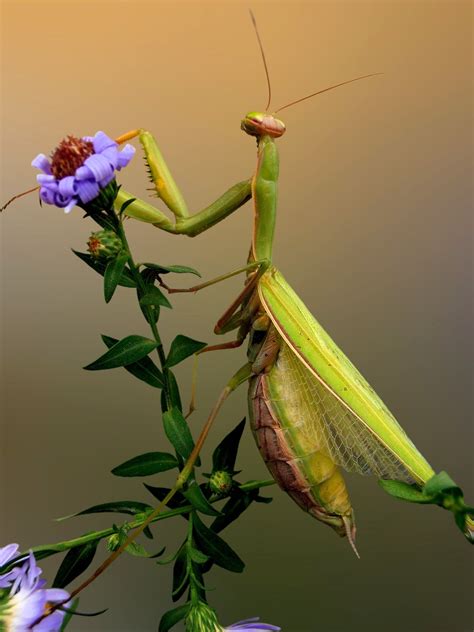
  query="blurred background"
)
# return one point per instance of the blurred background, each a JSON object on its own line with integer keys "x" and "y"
{"x": 374, "y": 233}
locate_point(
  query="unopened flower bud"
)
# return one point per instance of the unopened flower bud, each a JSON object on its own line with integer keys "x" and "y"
{"x": 220, "y": 482}
{"x": 202, "y": 618}
{"x": 104, "y": 244}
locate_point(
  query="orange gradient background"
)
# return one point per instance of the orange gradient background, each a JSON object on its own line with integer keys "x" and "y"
{"x": 373, "y": 233}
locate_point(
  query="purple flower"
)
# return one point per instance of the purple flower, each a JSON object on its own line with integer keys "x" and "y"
{"x": 24, "y": 599}
{"x": 79, "y": 169}
{"x": 251, "y": 624}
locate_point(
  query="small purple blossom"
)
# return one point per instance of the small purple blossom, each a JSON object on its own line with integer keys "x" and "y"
{"x": 24, "y": 599}
{"x": 251, "y": 624}
{"x": 79, "y": 169}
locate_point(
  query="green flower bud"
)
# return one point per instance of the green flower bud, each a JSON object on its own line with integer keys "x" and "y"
{"x": 202, "y": 618}
{"x": 220, "y": 482}
{"x": 113, "y": 542}
{"x": 104, "y": 244}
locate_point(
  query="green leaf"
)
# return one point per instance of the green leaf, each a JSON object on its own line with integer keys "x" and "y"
{"x": 224, "y": 456}
{"x": 173, "y": 394}
{"x": 137, "y": 549}
{"x": 177, "y": 431}
{"x": 180, "y": 575}
{"x": 233, "y": 508}
{"x": 176, "y": 269}
{"x": 146, "y": 464}
{"x": 181, "y": 348}
{"x": 113, "y": 274}
{"x": 404, "y": 491}
{"x": 126, "y": 280}
{"x": 130, "y": 507}
{"x": 172, "y": 617}
{"x": 126, "y": 351}
{"x": 439, "y": 484}
{"x": 125, "y": 204}
{"x": 145, "y": 369}
{"x": 69, "y": 613}
{"x": 76, "y": 561}
{"x": 195, "y": 496}
{"x": 214, "y": 546}
{"x": 197, "y": 556}
{"x": 154, "y": 296}
{"x": 160, "y": 494}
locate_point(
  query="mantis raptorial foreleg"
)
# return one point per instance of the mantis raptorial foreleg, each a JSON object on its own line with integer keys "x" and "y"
{"x": 167, "y": 189}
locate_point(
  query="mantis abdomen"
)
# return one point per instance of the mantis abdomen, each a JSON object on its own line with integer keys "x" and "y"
{"x": 296, "y": 459}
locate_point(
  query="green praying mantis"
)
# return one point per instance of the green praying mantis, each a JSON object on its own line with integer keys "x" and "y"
{"x": 312, "y": 412}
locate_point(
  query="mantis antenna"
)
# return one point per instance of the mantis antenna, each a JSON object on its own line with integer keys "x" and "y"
{"x": 337, "y": 85}
{"x": 15, "y": 197}
{"x": 254, "y": 22}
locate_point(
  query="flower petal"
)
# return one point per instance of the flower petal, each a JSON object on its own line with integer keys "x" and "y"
{"x": 52, "y": 623}
{"x": 7, "y": 579}
{"x": 99, "y": 166}
{"x": 68, "y": 208}
{"x": 61, "y": 201}
{"x": 68, "y": 186}
{"x": 101, "y": 141}
{"x": 8, "y": 552}
{"x": 105, "y": 181}
{"x": 43, "y": 178}
{"x": 112, "y": 155}
{"x": 56, "y": 594}
{"x": 41, "y": 162}
{"x": 87, "y": 190}
{"x": 84, "y": 173}
{"x": 47, "y": 195}
{"x": 125, "y": 156}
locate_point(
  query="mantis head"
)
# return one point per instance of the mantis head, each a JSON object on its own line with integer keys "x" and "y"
{"x": 261, "y": 124}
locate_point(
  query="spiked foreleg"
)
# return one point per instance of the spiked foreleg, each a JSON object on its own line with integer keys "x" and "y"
{"x": 168, "y": 191}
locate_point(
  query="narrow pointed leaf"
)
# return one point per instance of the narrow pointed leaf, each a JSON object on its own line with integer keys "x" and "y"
{"x": 404, "y": 491}
{"x": 181, "y": 348}
{"x": 172, "y": 617}
{"x": 440, "y": 483}
{"x": 146, "y": 464}
{"x": 173, "y": 393}
{"x": 145, "y": 369}
{"x": 128, "y": 350}
{"x": 154, "y": 296}
{"x": 136, "y": 549}
{"x": 197, "y": 556}
{"x": 68, "y": 616}
{"x": 130, "y": 507}
{"x": 177, "y": 431}
{"x": 225, "y": 454}
{"x": 176, "y": 269}
{"x": 76, "y": 561}
{"x": 195, "y": 496}
{"x": 180, "y": 575}
{"x": 125, "y": 204}
{"x": 233, "y": 508}
{"x": 214, "y": 546}
{"x": 113, "y": 274}
{"x": 99, "y": 266}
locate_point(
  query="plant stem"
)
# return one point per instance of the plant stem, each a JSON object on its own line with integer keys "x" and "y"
{"x": 65, "y": 545}
{"x": 150, "y": 317}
